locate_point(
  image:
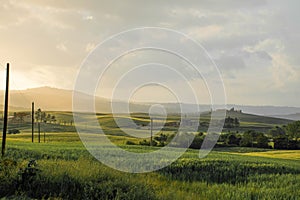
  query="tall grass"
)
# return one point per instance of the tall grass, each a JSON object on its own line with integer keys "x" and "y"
{"x": 65, "y": 170}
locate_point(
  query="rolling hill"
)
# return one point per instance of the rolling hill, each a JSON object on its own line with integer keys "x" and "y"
{"x": 54, "y": 99}
{"x": 295, "y": 116}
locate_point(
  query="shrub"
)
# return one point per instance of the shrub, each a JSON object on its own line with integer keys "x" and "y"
{"x": 147, "y": 143}
{"x": 246, "y": 141}
{"x": 262, "y": 141}
{"x": 13, "y": 131}
{"x": 233, "y": 140}
{"x": 197, "y": 143}
{"x": 128, "y": 142}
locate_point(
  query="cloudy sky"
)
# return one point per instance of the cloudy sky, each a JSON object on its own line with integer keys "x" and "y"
{"x": 255, "y": 44}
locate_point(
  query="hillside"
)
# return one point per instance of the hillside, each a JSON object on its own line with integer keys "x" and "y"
{"x": 55, "y": 99}
{"x": 251, "y": 121}
{"x": 295, "y": 116}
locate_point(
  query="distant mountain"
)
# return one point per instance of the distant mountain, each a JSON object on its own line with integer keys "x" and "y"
{"x": 45, "y": 98}
{"x": 266, "y": 110}
{"x": 55, "y": 99}
{"x": 252, "y": 118}
{"x": 13, "y": 108}
{"x": 295, "y": 116}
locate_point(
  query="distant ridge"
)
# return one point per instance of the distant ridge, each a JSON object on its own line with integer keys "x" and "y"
{"x": 295, "y": 116}
{"x": 54, "y": 99}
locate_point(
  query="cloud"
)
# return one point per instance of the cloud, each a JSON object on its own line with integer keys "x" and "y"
{"x": 90, "y": 46}
{"x": 255, "y": 43}
{"x": 62, "y": 47}
{"x": 283, "y": 73}
{"x": 203, "y": 33}
{"x": 231, "y": 63}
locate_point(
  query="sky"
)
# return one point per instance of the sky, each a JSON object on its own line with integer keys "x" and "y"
{"x": 254, "y": 44}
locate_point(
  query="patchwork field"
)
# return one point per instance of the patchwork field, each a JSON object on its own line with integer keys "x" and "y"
{"x": 290, "y": 154}
{"x": 59, "y": 167}
{"x": 65, "y": 170}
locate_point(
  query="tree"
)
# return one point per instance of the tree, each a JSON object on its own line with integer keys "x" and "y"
{"x": 197, "y": 143}
{"x": 236, "y": 122}
{"x": 21, "y": 116}
{"x": 277, "y": 131}
{"x": 262, "y": 141}
{"x": 281, "y": 142}
{"x": 53, "y": 119}
{"x": 232, "y": 140}
{"x": 293, "y": 130}
{"x": 250, "y": 135}
{"x": 15, "y": 115}
{"x": 246, "y": 141}
{"x": 223, "y": 137}
{"x": 48, "y": 118}
{"x": 38, "y": 115}
{"x": 162, "y": 138}
{"x": 44, "y": 117}
{"x": 229, "y": 122}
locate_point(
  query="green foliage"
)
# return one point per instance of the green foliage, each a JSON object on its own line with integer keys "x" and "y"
{"x": 283, "y": 142}
{"x": 293, "y": 130}
{"x": 246, "y": 141}
{"x": 27, "y": 176}
{"x": 161, "y": 139}
{"x": 67, "y": 171}
{"x": 128, "y": 142}
{"x": 277, "y": 131}
{"x": 262, "y": 141}
{"x": 80, "y": 179}
{"x": 232, "y": 140}
{"x": 8, "y": 171}
{"x": 222, "y": 170}
{"x": 197, "y": 142}
{"x": 147, "y": 143}
{"x": 13, "y": 131}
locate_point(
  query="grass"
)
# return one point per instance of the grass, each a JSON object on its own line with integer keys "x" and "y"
{"x": 68, "y": 171}
{"x": 290, "y": 154}
{"x": 109, "y": 125}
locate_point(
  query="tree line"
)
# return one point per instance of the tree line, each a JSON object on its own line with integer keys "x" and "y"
{"x": 41, "y": 116}
{"x": 285, "y": 137}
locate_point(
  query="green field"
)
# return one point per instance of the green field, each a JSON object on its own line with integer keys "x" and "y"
{"x": 290, "y": 154}
{"x": 108, "y": 122}
{"x": 65, "y": 170}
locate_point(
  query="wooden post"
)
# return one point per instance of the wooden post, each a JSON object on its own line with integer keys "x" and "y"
{"x": 151, "y": 131}
{"x": 32, "y": 122}
{"x": 39, "y": 131}
{"x": 5, "y": 111}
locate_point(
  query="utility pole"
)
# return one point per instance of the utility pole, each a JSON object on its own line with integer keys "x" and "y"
{"x": 151, "y": 131}
{"x": 5, "y": 111}
{"x": 32, "y": 122}
{"x": 39, "y": 130}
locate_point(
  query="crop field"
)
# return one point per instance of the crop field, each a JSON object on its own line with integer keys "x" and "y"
{"x": 149, "y": 100}
{"x": 59, "y": 167}
{"x": 290, "y": 154}
{"x": 65, "y": 170}
{"x": 64, "y": 122}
